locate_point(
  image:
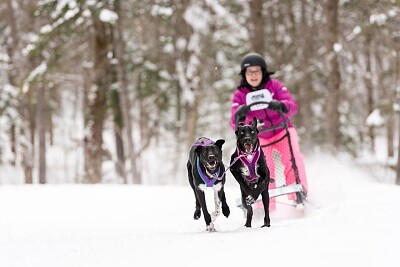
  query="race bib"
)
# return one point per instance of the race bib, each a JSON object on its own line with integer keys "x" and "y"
{"x": 258, "y": 96}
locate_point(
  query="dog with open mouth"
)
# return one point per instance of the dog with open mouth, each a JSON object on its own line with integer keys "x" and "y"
{"x": 205, "y": 169}
{"x": 249, "y": 167}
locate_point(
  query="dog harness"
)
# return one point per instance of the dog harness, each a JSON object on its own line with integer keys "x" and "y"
{"x": 250, "y": 164}
{"x": 208, "y": 179}
{"x": 205, "y": 177}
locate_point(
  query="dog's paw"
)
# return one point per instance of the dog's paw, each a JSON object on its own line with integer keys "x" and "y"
{"x": 226, "y": 211}
{"x": 210, "y": 228}
{"x": 267, "y": 222}
{"x": 197, "y": 214}
{"x": 248, "y": 225}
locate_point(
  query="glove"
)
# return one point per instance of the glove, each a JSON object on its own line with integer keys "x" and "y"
{"x": 241, "y": 113}
{"x": 277, "y": 105}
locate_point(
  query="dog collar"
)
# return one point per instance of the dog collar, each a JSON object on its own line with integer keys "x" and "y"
{"x": 250, "y": 160}
{"x": 208, "y": 181}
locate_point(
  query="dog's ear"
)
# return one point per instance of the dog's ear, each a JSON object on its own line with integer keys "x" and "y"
{"x": 198, "y": 150}
{"x": 219, "y": 143}
{"x": 254, "y": 122}
{"x": 240, "y": 125}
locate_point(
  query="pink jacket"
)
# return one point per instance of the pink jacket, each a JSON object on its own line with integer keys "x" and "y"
{"x": 269, "y": 117}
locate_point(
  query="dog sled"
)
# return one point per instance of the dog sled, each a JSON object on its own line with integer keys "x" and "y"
{"x": 281, "y": 185}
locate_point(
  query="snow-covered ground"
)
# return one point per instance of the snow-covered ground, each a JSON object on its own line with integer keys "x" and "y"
{"x": 351, "y": 220}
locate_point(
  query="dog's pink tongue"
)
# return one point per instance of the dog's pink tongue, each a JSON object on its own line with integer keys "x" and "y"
{"x": 247, "y": 148}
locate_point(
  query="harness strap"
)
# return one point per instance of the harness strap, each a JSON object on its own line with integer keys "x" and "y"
{"x": 250, "y": 164}
{"x": 209, "y": 182}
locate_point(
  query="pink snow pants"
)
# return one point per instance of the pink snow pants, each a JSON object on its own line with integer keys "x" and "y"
{"x": 280, "y": 151}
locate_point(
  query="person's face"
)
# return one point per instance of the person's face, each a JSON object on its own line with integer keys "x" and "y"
{"x": 253, "y": 75}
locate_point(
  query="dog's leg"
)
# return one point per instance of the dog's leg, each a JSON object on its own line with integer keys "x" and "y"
{"x": 197, "y": 212}
{"x": 225, "y": 208}
{"x": 249, "y": 210}
{"x": 217, "y": 202}
{"x": 265, "y": 200}
{"x": 202, "y": 199}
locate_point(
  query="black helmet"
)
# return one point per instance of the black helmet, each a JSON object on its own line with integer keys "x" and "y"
{"x": 253, "y": 59}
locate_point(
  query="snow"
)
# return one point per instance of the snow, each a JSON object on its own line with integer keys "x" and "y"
{"x": 198, "y": 18}
{"x": 109, "y": 16}
{"x": 38, "y": 71}
{"x": 350, "y": 220}
{"x": 375, "y": 118}
{"x": 357, "y": 30}
{"x": 379, "y": 19}
{"x": 337, "y": 47}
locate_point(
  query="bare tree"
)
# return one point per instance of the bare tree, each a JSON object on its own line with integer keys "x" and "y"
{"x": 42, "y": 123}
{"x": 19, "y": 69}
{"x": 369, "y": 87}
{"x": 97, "y": 102}
{"x": 332, "y": 123}
{"x": 306, "y": 44}
{"x": 124, "y": 99}
{"x": 257, "y": 26}
{"x": 398, "y": 159}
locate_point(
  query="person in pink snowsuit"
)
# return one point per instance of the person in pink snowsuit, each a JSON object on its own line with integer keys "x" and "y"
{"x": 254, "y": 77}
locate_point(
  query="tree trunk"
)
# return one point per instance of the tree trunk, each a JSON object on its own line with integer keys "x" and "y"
{"x": 257, "y": 25}
{"x": 305, "y": 89}
{"x": 192, "y": 118}
{"x": 187, "y": 86}
{"x": 97, "y": 102}
{"x": 273, "y": 36}
{"x": 118, "y": 126}
{"x": 124, "y": 98}
{"x": 115, "y": 97}
{"x": 42, "y": 123}
{"x": 332, "y": 123}
{"x": 370, "y": 93}
{"x": 398, "y": 157}
{"x": 396, "y": 85}
{"x": 15, "y": 74}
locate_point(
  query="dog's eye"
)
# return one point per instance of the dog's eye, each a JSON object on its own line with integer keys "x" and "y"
{"x": 242, "y": 132}
{"x": 252, "y": 132}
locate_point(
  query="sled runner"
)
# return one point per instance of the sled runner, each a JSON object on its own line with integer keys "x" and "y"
{"x": 282, "y": 185}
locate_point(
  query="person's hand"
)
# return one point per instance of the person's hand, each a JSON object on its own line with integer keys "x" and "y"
{"x": 277, "y": 105}
{"x": 241, "y": 113}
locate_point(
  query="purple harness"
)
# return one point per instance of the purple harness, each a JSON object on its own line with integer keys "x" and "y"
{"x": 250, "y": 164}
{"x": 206, "y": 179}
{"x": 209, "y": 181}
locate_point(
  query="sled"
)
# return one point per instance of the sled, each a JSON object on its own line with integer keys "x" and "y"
{"x": 280, "y": 180}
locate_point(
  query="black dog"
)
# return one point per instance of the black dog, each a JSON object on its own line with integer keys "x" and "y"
{"x": 205, "y": 169}
{"x": 250, "y": 170}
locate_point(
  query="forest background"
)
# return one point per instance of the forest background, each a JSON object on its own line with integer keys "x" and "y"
{"x": 93, "y": 91}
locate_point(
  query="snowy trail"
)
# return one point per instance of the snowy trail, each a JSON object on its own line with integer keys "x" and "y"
{"x": 352, "y": 220}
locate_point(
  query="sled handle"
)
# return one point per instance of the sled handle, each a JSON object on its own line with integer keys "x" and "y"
{"x": 279, "y": 126}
